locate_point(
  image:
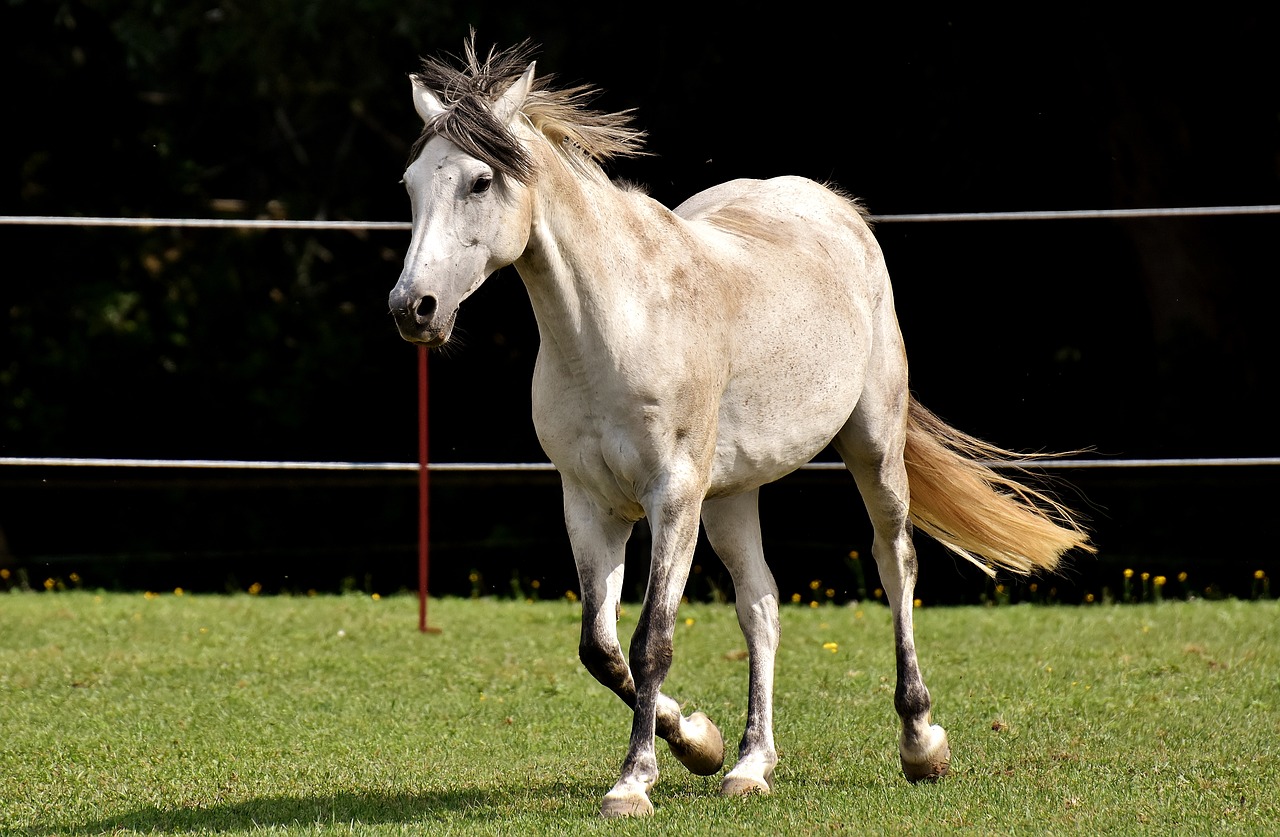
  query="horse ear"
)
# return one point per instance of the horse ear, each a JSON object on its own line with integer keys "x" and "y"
{"x": 510, "y": 102}
{"x": 425, "y": 102}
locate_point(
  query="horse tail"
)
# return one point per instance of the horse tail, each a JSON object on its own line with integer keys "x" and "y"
{"x": 981, "y": 514}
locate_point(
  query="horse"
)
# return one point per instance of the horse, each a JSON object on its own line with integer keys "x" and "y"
{"x": 688, "y": 357}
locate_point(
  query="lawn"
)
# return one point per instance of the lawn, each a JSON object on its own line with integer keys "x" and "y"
{"x": 182, "y": 714}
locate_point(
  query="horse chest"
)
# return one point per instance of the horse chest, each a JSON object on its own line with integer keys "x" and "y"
{"x": 618, "y": 438}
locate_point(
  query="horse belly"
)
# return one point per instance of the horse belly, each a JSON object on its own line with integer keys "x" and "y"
{"x": 780, "y": 416}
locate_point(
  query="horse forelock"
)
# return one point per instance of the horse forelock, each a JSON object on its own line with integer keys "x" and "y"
{"x": 468, "y": 89}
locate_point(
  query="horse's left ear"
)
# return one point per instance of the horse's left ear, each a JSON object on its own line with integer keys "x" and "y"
{"x": 510, "y": 102}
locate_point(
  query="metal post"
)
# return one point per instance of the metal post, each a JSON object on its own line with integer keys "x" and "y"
{"x": 424, "y": 486}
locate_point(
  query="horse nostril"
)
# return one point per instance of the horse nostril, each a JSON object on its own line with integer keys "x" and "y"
{"x": 425, "y": 308}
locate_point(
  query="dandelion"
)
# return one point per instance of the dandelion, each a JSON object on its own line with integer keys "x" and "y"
{"x": 178, "y": 591}
{"x": 1128, "y": 573}
{"x": 813, "y": 604}
{"x": 688, "y": 623}
{"x": 917, "y": 603}
{"x": 831, "y": 593}
{"x": 815, "y": 584}
{"x": 49, "y": 584}
{"x": 879, "y": 593}
{"x": 795, "y": 598}
{"x": 255, "y": 588}
{"x": 150, "y": 595}
{"x": 1088, "y": 598}
{"x": 1182, "y": 578}
{"x": 376, "y": 597}
{"x": 75, "y": 578}
{"x": 4, "y": 575}
{"x": 831, "y": 646}
{"x": 570, "y": 595}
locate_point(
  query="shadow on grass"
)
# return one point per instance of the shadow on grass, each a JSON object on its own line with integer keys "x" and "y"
{"x": 373, "y": 808}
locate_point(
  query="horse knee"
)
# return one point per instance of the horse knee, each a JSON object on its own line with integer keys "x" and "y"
{"x": 605, "y": 664}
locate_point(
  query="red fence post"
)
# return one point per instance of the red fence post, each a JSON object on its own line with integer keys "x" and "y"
{"x": 424, "y": 486}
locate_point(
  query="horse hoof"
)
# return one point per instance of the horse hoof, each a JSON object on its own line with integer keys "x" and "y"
{"x": 701, "y": 747}
{"x": 626, "y": 805}
{"x": 744, "y": 786}
{"x": 932, "y": 763}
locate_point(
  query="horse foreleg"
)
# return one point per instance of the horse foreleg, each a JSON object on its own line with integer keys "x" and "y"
{"x": 675, "y": 529}
{"x": 733, "y": 528}
{"x": 599, "y": 542}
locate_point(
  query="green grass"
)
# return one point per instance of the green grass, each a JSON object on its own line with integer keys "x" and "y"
{"x": 124, "y": 713}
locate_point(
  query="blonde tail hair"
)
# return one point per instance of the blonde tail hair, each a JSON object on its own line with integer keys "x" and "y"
{"x": 978, "y": 512}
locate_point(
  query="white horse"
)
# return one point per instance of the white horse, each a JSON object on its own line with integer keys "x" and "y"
{"x": 687, "y": 358}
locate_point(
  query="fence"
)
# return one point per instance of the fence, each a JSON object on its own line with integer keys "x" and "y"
{"x": 425, "y": 467}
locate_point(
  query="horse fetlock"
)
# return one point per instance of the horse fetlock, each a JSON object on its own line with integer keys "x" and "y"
{"x": 928, "y": 758}
{"x": 698, "y": 745}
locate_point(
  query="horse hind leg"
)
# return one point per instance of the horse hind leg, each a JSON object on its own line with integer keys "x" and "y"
{"x": 733, "y": 529}
{"x": 875, "y": 459}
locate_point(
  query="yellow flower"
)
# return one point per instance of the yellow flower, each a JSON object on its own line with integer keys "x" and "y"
{"x": 178, "y": 591}
{"x": 255, "y": 588}
{"x": 831, "y": 646}
{"x": 150, "y": 595}
{"x": 815, "y": 584}
{"x": 4, "y": 575}
{"x": 570, "y": 595}
{"x": 1128, "y": 573}
{"x": 75, "y": 578}
{"x": 831, "y": 593}
{"x": 1160, "y": 580}
{"x": 376, "y": 597}
{"x": 49, "y": 584}
{"x": 1257, "y": 574}
{"x": 795, "y": 598}
{"x": 853, "y": 555}
{"x": 1182, "y": 576}
{"x": 688, "y": 623}
{"x": 1088, "y": 597}
{"x": 1146, "y": 576}
{"x": 917, "y": 603}
{"x": 879, "y": 594}
{"x": 813, "y": 603}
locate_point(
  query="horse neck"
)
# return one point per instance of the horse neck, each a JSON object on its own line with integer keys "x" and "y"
{"x": 586, "y": 258}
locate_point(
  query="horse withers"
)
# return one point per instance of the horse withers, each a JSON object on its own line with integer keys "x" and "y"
{"x": 687, "y": 357}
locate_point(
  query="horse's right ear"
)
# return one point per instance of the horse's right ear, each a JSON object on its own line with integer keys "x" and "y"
{"x": 425, "y": 102}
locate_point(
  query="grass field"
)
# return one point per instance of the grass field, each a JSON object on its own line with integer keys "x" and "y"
{"x": 169, "y": 714}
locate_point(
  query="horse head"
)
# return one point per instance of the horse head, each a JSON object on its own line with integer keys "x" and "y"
{"x": 470, "y": 206}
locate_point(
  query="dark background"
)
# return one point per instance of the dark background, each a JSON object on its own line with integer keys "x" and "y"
{"x": 1136, "y": 338}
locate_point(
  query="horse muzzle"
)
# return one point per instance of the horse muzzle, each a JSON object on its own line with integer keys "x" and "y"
{"x": 420, "y": 321}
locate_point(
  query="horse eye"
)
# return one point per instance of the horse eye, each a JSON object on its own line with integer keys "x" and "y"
{"x": 482, "y": 184}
